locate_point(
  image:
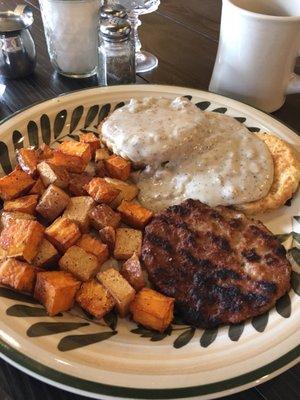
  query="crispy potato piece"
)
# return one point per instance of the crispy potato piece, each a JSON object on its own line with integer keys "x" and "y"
{"x": 102, "y": 216}
{"x": 8, "y": 216}
{"x": 91, "y": 139}
{"x": 128, "y": 242}
{"x": 38, "y": 188}
{"x": 134, "y": 214}
{"x": 52, "y": 203}
{"x": 53, "y": 174}
{"x": 77, "y": 183}
{"x": 44, "y": 152}
{"x": 46, "y": 254}
{"x": 132, "y": 272}
{"x": 94, "y": 246}
{"x": 101, "y": 155}
{"x": 80, "y": 263}
{"x": 21, "y": 238}
{"x": 78, "y": 211}
{"x": 18, "y": 275}
{"x": 15, "y": 184}
{"x": 117, "y": 167}
{"x": 95, "y": 298}
{"x": 28, "y": 159}
{"x": 56, "y": 290}
{"x": 101, "y": 191}
{"x": 63, "y": 233}
{"x": 70, "y": 163}
{"x": 152, "y": 309}
{"x": 119, "y": 288}
{"x": 128, "y": 191}
{"x": 108, "y": 236}
{"x": 100, "y": 169}
{"x": 25, "y": 204}
{"x": 76, "y": 149}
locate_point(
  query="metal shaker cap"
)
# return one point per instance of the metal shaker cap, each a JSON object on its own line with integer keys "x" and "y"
{"x": 113, "y": 10}
{"x": 115, "y": 29}
{"x": 12, "y": 21}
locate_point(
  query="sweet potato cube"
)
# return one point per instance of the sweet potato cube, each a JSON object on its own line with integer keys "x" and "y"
{"x": 91, "y": 139}
{"x": 3, "y": 254}
{"x": 101, "y": 191}
{"x": 94, "y": 246}
{"x": 44, "y": 152}
{"x": 76, "y": 149}
{"x": 63, "y": 233}
{"x": 128, "y": 242}
{"x": 100, "y": 169}
{"x": 95, "y": 298}
{"x": 152, "y": 309}
{"x": 46, "y": 254}
{"x": 18, "y": 275}
{"x": 8, "y": 216}
{"x": 80, "y": 263}
{"x": 108, "y": 236}
{"x": 56, "y": 290}
{"x": 25, "y": 204}
{"x": 77, "y": 183}
{"x": 117, "y": 167}
{"x": 15, "y": 184}
{"x": 134, "y": 214}
{"x": 21, "y": 238}
{"x": 38, "y": 188}
{"x": 102, "y": 216}
{"x": 101, "y": 155}
{"x": 52, "y": 203}
{"x": 128, "y": 191}
{"x": 78, "y": 211}
{"x": 53, "y": 174}
{"x": 28, "y": 159}
{"x": 70, "y": 163}
{"x": 119, "y": 288}
{"x": 132, "y": 272}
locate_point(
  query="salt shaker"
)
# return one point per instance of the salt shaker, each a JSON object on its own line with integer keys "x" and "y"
{"x": 116, "y": 53}
{"x": 114, "y": 10}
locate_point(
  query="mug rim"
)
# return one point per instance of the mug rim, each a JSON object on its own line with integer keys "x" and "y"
{"x": 254, "y": 14}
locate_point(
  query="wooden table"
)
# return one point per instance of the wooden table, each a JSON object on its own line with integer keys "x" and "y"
{"x": 184, "y": 36}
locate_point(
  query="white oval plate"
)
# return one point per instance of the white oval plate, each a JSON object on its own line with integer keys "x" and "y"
{"x": 117, "y": 359}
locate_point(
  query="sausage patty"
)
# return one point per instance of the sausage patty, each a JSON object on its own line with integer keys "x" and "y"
{"x": 220, "y": 266}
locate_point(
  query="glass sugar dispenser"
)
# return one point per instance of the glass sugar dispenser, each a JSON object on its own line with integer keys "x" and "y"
{"x": 116, "y": 53}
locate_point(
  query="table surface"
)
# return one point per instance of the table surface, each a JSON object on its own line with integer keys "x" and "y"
{"x": 184, "y": 36}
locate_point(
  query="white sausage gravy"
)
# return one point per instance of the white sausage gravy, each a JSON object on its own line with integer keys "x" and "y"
{"x": 188, "y": 153}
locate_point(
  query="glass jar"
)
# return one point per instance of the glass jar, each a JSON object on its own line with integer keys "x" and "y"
{"x": 71, "y": 30}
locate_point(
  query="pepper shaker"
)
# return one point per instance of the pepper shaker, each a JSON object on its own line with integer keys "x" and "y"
{"x": 116, "y": 53}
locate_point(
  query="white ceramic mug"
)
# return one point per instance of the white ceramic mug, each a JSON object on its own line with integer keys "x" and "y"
{"x": 259, "y": 43}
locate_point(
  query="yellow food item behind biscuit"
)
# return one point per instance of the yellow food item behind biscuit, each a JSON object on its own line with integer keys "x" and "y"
{"x": 286, "y": 176}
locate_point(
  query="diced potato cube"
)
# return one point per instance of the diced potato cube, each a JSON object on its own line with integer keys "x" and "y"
{"x": 101, "y": 155}
{"x": 101, "y": 191}
{"x": 38, "y": 188}
{"x": 132, "y": 272}
{"x": 46, "y": 254}
{"x": 95, "y": 299}
{"x": 76, "y": 149}
{"x": 78, "y": 211}
{"x": 100, "y": 169}
{"x": 128, "y": 191}
{"x": 44, "y": 152}
{"x": 3, "y": 254}
{"x": 94, "y": 246}
{"x": 102, "y": 216}
{"x": 56, "y": 290}
{"x": 108, "y": 236}
{"x": 134, "y": 214}
{"x": 91, "y": 139}
{"x": 80, "y": 263}
{"x": 52, "y": 203}
{"x": 21, "y": 238}
{"x": 25, "y": 204}
{"x": 15, "y": 184}
{"x": 119, "y": 288}
{"x": 53, "y": 174}
{"x": 7, "y": 217}
{"x": 18, "y": 275}
{"x": 152, "y": 309}
{"x": 128, "y": 242}
{"x": 28, "y": 159}
{"x": 63, "y": 233}
{"x": 117, "y": 167}
{"x": 70, "y": 163}
{"x": 77, "y": 183}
